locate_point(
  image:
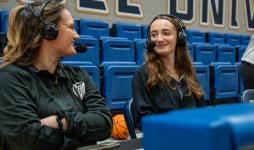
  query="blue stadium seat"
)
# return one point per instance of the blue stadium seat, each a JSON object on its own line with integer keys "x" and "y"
{"x": 224, "y": 127}
{"x": 96, "y": 28}
{"x": 225, "y": 80}
{"x": 240, "y": 81}
{"x": 233, "y": 39}
{"x": 245, "y": 39}
{"x": 144, "y": 31}
{"x": 216, "y": 38}
{"x": 205, "y": 53}
{"x": 191, "y": 51}
{"x": 226, "y": 53}
{"x": 116, "y": 49}
{"x": 117, "y": 84}
{"x": 128, "y": 30}
{"x": 94, "y": 72}
{"x": 90, "y": 68}
{"x": 76, "y": 25}
{"x": 203, "y": 75}
{"x": 3, "y": 42}
{"x": 195, "y": 36}
{"x": 240, "y": 51}
{"x": 92, "y": 52}
{"x": 4, "y": 15}
{"x": 78, "y": 63}
{"x": 140, "y": 51}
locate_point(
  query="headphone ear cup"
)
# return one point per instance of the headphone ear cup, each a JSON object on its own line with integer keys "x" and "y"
{"x": 49, "y": 31}
{"x": 181, "y": 38}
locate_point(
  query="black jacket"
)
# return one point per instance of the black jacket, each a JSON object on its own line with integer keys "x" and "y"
{"x": 28, "y": 95}
{"x": 159, "y": 99}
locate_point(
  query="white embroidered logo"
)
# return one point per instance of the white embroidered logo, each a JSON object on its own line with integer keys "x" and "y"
{"x": 79, "y": 89}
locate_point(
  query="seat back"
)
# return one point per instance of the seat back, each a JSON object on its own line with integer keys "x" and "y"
{"x": 203, "y": 76}
{"x": 117, "y": 84}
{"x": 126, "y": 29}
{"x": 195, "y": 36}
{"x": 226, "y": 53}
{"x": 225, "y": 80}
{"x": 95, "y": 28}
{"x": 92, "y": 53}
{"x": 205, "y": 53}
{"x": 129, "y": 119}
{"x": 115, "y": 49}
{"x": 248, "y": 95}
{"x": 216, "y": 38}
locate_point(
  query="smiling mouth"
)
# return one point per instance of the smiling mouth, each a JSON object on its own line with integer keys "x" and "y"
{"x": 160, "y": 46}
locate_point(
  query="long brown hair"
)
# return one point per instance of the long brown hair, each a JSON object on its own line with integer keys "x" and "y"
{"x": 157, "y": 73}
{"x": 24, "y": 38}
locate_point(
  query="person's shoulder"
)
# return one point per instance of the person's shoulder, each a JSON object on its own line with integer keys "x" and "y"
{"x": 13, "y": 73}
{"x": 142, "y": 69}
{"x": 12, "y": 69}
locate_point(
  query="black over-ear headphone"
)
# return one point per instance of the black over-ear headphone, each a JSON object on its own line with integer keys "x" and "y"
{"x": 49, "y": 30}
{"x": 181, "y": 36}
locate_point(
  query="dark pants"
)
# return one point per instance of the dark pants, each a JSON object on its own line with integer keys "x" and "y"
{"x": 247, "y": 74}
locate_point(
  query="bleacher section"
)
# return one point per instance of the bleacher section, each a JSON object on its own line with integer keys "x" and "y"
{"x": 115, "y": 51}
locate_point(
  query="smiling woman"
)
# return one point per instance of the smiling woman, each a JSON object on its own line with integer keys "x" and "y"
{"x": 44, "y": 104}
{"x": 167, "y": 80}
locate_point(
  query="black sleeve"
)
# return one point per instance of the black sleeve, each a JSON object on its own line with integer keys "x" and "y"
{"x": 20, "y": 125}
{"x": 95, "y": 123}
{"x": 142, "y": 104}
{"x": 201, "y": 102}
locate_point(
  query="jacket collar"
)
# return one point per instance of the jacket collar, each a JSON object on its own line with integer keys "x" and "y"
{"x": 60, "y": 73}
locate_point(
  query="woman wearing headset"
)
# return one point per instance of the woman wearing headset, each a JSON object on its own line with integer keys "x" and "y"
{"x": 45, "y": 105}
{"x": 167, "y": 80}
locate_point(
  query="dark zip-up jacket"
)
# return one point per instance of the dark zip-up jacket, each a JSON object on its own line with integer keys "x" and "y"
{"x": 160, "y": 98}
{"x": 28, "y": 95}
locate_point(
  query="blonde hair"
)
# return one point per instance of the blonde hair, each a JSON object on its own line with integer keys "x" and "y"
{"x": 24, "y": 38}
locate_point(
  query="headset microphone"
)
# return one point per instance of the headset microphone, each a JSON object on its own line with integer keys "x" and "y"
{"x": 150, "y": 46}
{"x": 81, "y": 48}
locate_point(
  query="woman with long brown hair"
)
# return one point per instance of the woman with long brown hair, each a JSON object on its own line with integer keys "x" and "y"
{"x": 167, "y": 80}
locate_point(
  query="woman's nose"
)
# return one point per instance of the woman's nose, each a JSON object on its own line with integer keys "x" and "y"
{"x": 159, "y": 37}
{"x": 76, "y": 36}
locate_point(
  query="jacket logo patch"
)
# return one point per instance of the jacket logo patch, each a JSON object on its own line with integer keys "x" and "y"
{"x": 79, "y": 89}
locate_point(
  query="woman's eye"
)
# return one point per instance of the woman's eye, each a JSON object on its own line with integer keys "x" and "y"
{"x": 167, "y": 33}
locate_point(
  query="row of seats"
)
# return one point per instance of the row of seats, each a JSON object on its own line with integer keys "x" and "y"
{"x": 220, "y": 80}
{"x": 99, "y": 28}
{"x": 208, "y": 53}
{"x": 116, "y": 49}
{"x": 110, "y": 49}
{"x": 217, "y": 38}
{"x": 112, "y": 79}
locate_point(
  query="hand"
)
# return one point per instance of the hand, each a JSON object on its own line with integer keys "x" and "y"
{"x": 51, "y": 122}
{"x": 65, "y": 124}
